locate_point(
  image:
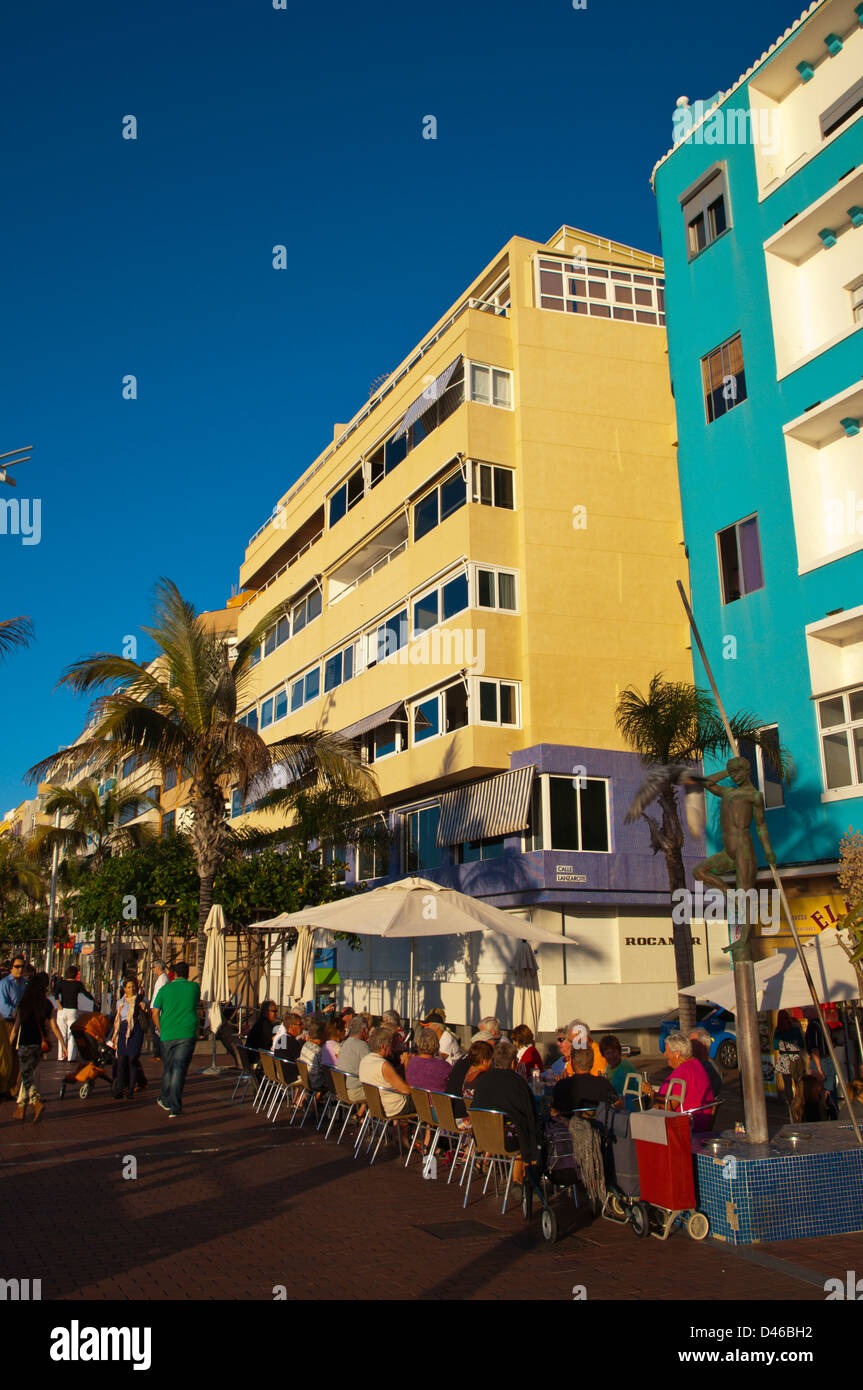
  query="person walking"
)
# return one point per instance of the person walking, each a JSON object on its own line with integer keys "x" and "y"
{"x": 34, "y": 1017}
{"x": 131, "y": 1022}
{"x": 11, "y": 990}
{"x": 67, "y": 1012}
{"x": 175, "y": 1014}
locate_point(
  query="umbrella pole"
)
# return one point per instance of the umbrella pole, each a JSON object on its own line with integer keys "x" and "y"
{"x": 411, "y": 988}
{"x": 817, "y": 1002}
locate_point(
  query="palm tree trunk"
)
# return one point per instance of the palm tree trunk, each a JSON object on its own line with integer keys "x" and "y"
{"x": 97, "y": 964}
{"x": 204, "y": 904}
{"x": 684, "y": 963}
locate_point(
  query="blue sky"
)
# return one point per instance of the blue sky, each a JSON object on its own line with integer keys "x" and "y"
{"x": 153, "y": 257}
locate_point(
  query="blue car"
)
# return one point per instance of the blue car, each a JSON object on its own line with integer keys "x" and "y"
{"x": 719, "y": 1023}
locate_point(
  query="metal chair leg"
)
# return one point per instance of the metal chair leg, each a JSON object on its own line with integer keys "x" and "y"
{"x": 350, "y": 1109}
{"x": 363, "y": 1127}
{"x": 508, "y": 1184}
{"x": 454, "y": 1163}
{"x": 469, "y": 1175}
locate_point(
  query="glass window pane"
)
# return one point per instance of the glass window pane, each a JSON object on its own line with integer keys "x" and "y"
{"x": 252, "y": 720}
{"x": 425, "y": 515}
{"x": 480, "y": 384}
{"x": 333, "y": 671}
{"x": 488, "y": 702}
{"x": 596, "y": 289}
{"x": 837, "y": 760}
{"x": 716, "y": 218}
{"x": 429, "y": 854}
{"x": 644, "y": 297}
{"x": 485, "y": 588}
{"x": 548, "y": 303}
{"x": 298, "y": 617}
{"x": 385, "y": 740}
{"x": 297, "y": 694}
{"x": 549, "y": 281}
{"x": 600, "y": 311}
{"x": 729, "y": 565}
{"x": 338, "y": 505}
{"x": 857, "y": 741}
{"x": 313, "y": 684}
{"x": 281, "y": 704}
{"x": 855, "y": 700}
{"x": 485, "y": 484}
{"x": 426, "y": 611}
{"x": 455, "y": 707}
{"x": 283, "y": 630}
{"x": 503, "y": 493}
{"x": 427, "y": 719}
{"x": 502, "y": 388}
{"x": 507, "y": 704}
{"x": 355, "y": 487}
{"x": 392, "y": 634}
{"x": 266, "y": 714}
{"x": 564, "y": 813}
{"x": 453, "y": 494}
{"x": 750, "y": 554}
{"x": 623, "y": 294}
{"x": 394, "y": 451}
{"x": 831, "y": 712}
{"x": 506, "y": 591}
{"x": 270, "y": 642}
{"x": 594, "y": 816}
{"x": 697, "y": 237}
{"x": 454, "y": 596}
{"x": 313, "y": 604}
{"x": 471, "y": 852}
{"x": 236, "y": 803}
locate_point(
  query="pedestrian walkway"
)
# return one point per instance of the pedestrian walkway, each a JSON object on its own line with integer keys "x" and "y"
{"x": 226, "y": 1205}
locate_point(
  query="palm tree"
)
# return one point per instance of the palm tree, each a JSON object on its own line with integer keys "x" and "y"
{"x": 677, "y": 722}
{"x": 181, "y": 710}
{"x": 19, "y": 876}
{"x": 90, "y": 823}
{"x": 14, "y": 632}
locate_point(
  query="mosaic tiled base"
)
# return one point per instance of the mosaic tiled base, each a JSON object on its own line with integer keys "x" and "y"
{"x": 782, "y": 1190}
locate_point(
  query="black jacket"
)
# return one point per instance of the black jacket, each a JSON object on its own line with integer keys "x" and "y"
{"x": 497, "y": 1089}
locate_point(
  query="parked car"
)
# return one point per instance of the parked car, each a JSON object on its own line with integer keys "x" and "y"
{"x": 719, "y": 1023}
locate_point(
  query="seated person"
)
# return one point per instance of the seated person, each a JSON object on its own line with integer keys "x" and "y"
{"x": 554, "y": 1061}
{"x": 527, "y": 1057}
{"x": 311, "y": 1053}
{"x": 479, "y": 1060}
{"x": 353, "y": 1050}
{"x": 376, "y": 1070}
{"x": 447, "y": 1041}
{"x": 331, "y": 1048}
{"x": 701, "y": 1040}
{"x": 501, "y": 1088}
{"x": 260, "y": 1036}
{"x": 699, "y": 1092}
{"x": 617, "y": 1068}
{"x": 581, "y": 1091}
{"x": 286, "y": 1039}
{"x": 427, "y": 1070}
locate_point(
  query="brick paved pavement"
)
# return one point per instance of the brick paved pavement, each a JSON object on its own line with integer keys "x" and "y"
{"x": 224, "y": 1201}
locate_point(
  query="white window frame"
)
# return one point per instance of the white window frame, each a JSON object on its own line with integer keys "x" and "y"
{"x": 856, "y": 292}
{"x": 405, "y": 813}
{"x": 476, "y": 491}
{"x": 489, "y": 367}
{"x": 854, "y": 788}
{"x": 377, "y": 852}
{"x": 605, "y": 272}
{"x": 414, "y": 701}
{"x": 495, "y": 607}
{"x": 418, "y": 501}
{"x": 545, "y": 806}
{"x": 474, "y": 695}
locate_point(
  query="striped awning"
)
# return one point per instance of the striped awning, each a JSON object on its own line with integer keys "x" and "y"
{"x": 432, "y": 393}
{"x": 371, "y": 721}
{"x": 482, "y": 810}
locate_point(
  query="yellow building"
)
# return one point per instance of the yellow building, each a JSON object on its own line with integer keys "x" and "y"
{"x": 463, "y": 581}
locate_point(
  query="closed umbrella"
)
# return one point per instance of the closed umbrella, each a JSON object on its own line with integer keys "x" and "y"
{"x": 414, "y": 907}
{"x": 525, "y": 1003}
{"x": 214, "y": 974}
{"x": 780, "y": 982}
{"x": 302, "y": 986}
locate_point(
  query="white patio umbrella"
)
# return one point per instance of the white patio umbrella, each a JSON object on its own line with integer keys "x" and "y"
{"x": 525, "y": 1002}
{"x": 414, "y": 907}
{"x": 780, "y": 982}
{"x": 214, "y": 974}
{"x": 302, "y": 986}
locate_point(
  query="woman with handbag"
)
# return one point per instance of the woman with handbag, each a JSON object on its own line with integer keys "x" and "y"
{"x": 34, "y": 1016}
{"x": 789, "y": 1063}
{"x": 131, "y": 1022}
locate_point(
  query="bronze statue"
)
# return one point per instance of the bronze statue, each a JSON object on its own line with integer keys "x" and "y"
{"x": 741, "y": 804}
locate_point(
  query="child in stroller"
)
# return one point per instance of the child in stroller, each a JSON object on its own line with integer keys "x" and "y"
{"x": 96, "y": 1057}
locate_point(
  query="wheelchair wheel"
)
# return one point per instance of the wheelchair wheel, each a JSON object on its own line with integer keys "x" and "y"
{"x": 85, "y": 1090}
{"x": 527, "y": 1201}
{"x": 697, "y": 1226}
{"x": 616, "y": 1207}
{"x": 548, "y": 1225}
{"x": 639, "y": 1220}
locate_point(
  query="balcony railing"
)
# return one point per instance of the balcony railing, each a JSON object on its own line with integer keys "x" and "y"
{"x": 278, "y": 574}
{"x": 367, "y": 574}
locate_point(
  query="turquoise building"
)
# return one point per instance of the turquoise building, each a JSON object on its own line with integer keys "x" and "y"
{"x": 760, "y": 205}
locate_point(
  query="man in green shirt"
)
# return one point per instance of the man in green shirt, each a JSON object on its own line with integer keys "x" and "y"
{"x": 175, "y": 1015}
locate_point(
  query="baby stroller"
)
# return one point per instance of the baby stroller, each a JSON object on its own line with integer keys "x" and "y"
{"x": 557, "y": 1174}
{"x": 96, "y": 1058}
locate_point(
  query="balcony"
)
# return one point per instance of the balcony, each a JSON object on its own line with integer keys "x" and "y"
{"x": 372, "y": 557}
{"x": 825, "y": 468}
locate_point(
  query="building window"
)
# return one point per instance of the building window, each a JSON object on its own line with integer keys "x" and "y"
{"x": 578, "y": 816}
{"x": 346, "y": 496}
{"x": 498, "y": 702}
{"x": 764, "y": 774}
{"x": 384, "y": 741}
{"x": 474, "y": 850}
{"x": 740, "y": 568}
{"x": 168, "y": 823}
{"x": 391, "y": 635}
{"x": 306, "y": 610}
{"x": 130, "y": 765}
{"x": 857, "y": 302}
{"x": 493, "y": 486}
{"x": 440, "y": 604}
{"x": 339, "y": 668}
{"x": 420, "y": 832}
{"x": 840, "y": 723}
{"x": 335, "y": 857}
{"x": 236, "y": 803}
{"x": 170, "y": 778}
{"x": 723, "y": 378}
{"x": 372, "y": 859}
{"x": 490, "y": 386}
{"x": 438, "y": 504}
{"x": 603, "y": 292}
{"x": 250, "y": 719}
{"x": 440, "y": 713}
{"x": 426, "y": 719}
{"x": 305, "y": 688}
{"x": 495, "y": 589}
{"x": 281, "y": 705}
{"x": 705, "y": 210}
{"x": 849, "y": 105}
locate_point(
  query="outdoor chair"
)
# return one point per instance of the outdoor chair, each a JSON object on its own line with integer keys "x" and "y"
{"x": 289, "y": 1081}
{"x": 247, "y": 1071}
{"x": 330, "y": 1097}
{"x": 305, "y": 1095}
{"x": 489, "y": 1133}
{"x": 343, "y": 1101}
{"x": 435, "y": 1112}
{"x": 268, "y": 1081}
{"x": 448, "y": 1128}
{"x": 378, "y": 1121}
{"x": 425, "y": 1117}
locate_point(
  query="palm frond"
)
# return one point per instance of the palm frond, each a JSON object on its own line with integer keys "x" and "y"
{"x": 14, "y": 632}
